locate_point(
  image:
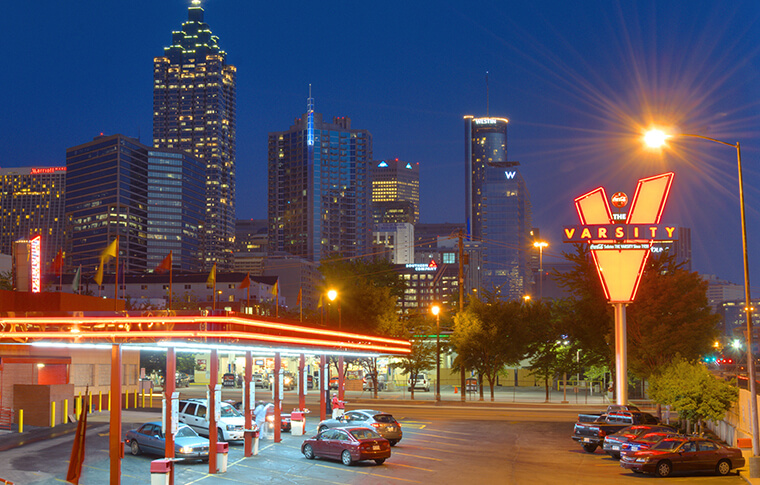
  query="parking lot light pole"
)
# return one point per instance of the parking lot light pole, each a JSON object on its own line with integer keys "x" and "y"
{"x": 436, "y": 310}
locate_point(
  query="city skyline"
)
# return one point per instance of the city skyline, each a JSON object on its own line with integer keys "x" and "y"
{"x": 576, "y": 81}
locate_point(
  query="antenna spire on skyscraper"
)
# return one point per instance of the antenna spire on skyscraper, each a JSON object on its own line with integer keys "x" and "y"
{"x": 310, "y": 119}
{"x": 487, "y": 112}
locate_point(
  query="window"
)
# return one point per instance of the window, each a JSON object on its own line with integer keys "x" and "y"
{"x": 707, "y": 446}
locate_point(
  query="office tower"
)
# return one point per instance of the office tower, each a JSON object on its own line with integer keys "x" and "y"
{"x": 32, "y": 202}
{"x": 395, "y": 191}
{"x": 251, "y": 245}
{"x": 194, "y": 111}
{"x": 397, "y": 238}
{"x": 176, "y": 208}
{"x": 498, "y": 210}
{"x": 106, "y": 196}
{"x": 318, "y": 188}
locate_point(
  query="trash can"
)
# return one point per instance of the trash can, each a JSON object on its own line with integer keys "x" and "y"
{"x": 160, "y": 471}
{"x": 297, "y": 423}
{"x": 222, "y": 448}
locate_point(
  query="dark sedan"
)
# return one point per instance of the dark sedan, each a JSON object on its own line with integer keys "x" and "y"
{"x": 384, "y": 424}
{"x": 348, "y": 445}
{"x": 644, "y": 442}
{"x": 613, "y": 443}
{"x": 684, "y": 455}
{"x": 149, "y": 438}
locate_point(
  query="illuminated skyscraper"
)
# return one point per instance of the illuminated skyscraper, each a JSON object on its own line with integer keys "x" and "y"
{"x": 498, "y": 209}
{"x": 32, "y": 201}
{"x": 194, "y": 111}
{"x": 395, "y": 191}
{"x": 318, "y": 188}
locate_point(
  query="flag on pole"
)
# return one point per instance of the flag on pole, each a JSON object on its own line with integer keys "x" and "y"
{"x": 246, "y": 283}
{"x": 57, "y": 265}
{"x": 112, "y": 250}
{"x": 298, "y": 301}
{"x": 211, "y": 281}
{"x": 99, "y": 274}
{"x": 165, "y": 265}
{"x": 274, "y": 288}
{"x": 77, "y": 450}
{"x": 77, "y": 279}
{"x": 319, "y": 303}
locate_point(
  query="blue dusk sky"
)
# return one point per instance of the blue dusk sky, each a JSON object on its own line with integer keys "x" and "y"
{"x": 579, "y": 82}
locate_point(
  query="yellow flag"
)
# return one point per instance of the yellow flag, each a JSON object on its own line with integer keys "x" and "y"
{"x": 274, "y": 288}
{"x": 319, "y": 303}
{"x": 112, "y": 250}
{"x": 211, "y": 281}
{"x": 99, "y": 274}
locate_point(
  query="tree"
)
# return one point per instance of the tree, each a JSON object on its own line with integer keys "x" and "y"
{"x": 671, "y": 315}
{"x": 693, "y": 391}
{"x": 6, "y": 280}
{"x": 423, "y": 350}
{"x": 489, "y": 335}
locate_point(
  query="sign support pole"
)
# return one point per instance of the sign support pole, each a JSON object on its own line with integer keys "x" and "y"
{"x": 621, "y": 354}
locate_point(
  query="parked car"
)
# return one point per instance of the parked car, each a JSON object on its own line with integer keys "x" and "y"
{"x": 348, "y": 445}
{"x": 230, "y": 425}
{"x": 149, "y": 438}
{"x": 612, "y": 408}
{"x": 421, "y": 382}
{"x": 643, "y": 442}
{"x": 334, "y": 382}
{"x": 266, "y": 409}
{"x": 228, "y": 380}
{"x": 182, "y": 379}
{"x": 613, "y": 443}
{"x": 383, "y": 423}
{"x": 259, "y": 380}
{"x": 368, "y": 382}
{"x": 684, "y": 454}
{"x": 591, "y": 435}
{"x": 288, "y": 381}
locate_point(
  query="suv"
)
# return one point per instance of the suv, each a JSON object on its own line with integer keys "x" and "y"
{"x": 192, "y": 412}
{"x": 422, "y": 382}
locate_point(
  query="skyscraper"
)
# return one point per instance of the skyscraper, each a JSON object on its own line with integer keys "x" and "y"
{"x": 395, "y": 191}
{"x": 498, "y": 209}
{"x": 318, "y": 188}
{"x": 194, "y": 111}
{"x": 176, "y": 207}
{"x": 107, "y": 196}
{"x": 32, "y": 201}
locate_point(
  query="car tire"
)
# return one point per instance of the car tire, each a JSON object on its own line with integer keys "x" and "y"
{"x": 308, "y": 452}
{"x": 664, "y": 468}
{"x": 615, "y": 456}
{"x": 393, "y": 442}
{"x": 220, "y": 435}
{"x": 322, "y": 428}
{"x": 135, "y": 448}
{"x": 723, "y": 467}
{"x": 345, "y": 458}
{"x": 380, "y": 461}
{"x": 589, "y": 447}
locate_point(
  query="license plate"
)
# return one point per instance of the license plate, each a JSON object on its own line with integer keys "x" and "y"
{"x": 615, "y": 447}
{"x": 376, "y": 447}
{"x": 391, "y": 428}
{"x": 586, "y": 440}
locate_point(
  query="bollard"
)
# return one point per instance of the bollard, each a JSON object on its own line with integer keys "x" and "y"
{"x": 135, "y": 398}
{"x": 297, "y": 423}
{"x": 52, "y": 414}
{"x": 65, "y": 411}
{"x": 20, "y": 420}
{"x": 161, "y": 471}
{"x": 77, "y": 406}
{"x": 126, "y": 399}
{"x": 89, "y": 409}
{"x": 109, "y": 400}
{"x": 151, "y": 397}
{"x": 100, "y": 401}
{"x": 222, "y": 449}
{"x": 256, "y": 443}
{"x": 143, "y": 397}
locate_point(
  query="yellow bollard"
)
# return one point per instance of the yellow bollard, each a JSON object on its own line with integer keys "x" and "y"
{"x": 109, "y": 400}
{"x": 80, "y": 405}
{"x": 151, "y": 398}
{"x": 52, "y": 414}
{"x": 100, "y": 401}
{"x": 126, "y": 399}
{"x": 135, "y": 398}
{"x": 65, "y": 411}
{"x": 89, "y": 409}
{"x": 20, "y": 420}
{"x": 143, "y": 397}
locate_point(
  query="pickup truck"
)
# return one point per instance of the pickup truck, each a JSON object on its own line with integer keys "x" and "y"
{"x": 591, "y": 435}
{"x": 590, "y": 418}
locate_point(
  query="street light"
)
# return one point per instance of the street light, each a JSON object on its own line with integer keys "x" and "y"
{"x": 540, "y": 245}
{"x": 332, "y": 295}
{"x": 658, "y": 138}
{"x": 436, "y": 310}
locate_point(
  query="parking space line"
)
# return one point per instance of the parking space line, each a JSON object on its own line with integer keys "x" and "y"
{"x": 367, "y": 473}
{"x": 392, "y": 464}
{"x": 443, "y": 437}
{"x": 416, "y": 456}
{"x": 434, "y": 449}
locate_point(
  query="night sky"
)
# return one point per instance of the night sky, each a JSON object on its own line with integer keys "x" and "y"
{"x": 579, "y": 81}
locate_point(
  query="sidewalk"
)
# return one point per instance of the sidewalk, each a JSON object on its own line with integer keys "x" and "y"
{"x": 744, "y": 472}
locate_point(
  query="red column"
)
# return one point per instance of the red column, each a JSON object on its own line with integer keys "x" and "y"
{"x": 302, "y": 382}
{"x": 341, "y": 379}
{"x": 247, "y": 404}
{"x": 324, "y": 386}
{"x": 115, "y": 445}
{"x": 277, "y": 397}
{"x": 211, "y": 410}
{"x": 169, "y": 387}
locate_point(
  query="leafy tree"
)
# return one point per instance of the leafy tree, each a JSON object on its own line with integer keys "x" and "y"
{"x": 6, "y": 280}
{"x": 692, "y": 391}
{"x": 670, "y": 315}
{"x": 423, "y": 350}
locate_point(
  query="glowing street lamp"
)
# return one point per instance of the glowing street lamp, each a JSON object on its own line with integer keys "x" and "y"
{"x": 657, "y": 138}
{"x": 436, "y": 310}
{"x": 540, "y": 245}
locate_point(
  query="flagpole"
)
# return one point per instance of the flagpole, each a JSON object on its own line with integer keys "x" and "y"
{"x": 300, "y": 305}
{"x": 116, "y": 279}
{"x": 171, "y": 273}
{"x": 277, "y": 300}
{"x": 248, "y": 297}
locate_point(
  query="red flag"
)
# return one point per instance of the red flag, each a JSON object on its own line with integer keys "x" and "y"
{"x": 77, "y": 450}
{"x": 246, "y": 283}
{"x": 165, "y": 265}
{"x": 57, "y": 265}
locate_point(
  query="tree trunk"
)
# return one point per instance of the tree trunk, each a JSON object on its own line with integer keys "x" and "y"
{"x": 546, "y": 385}
{"x": 491, "y": 380}
{"x": 480, "y": 385}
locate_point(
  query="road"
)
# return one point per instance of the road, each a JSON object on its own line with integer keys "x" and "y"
{"x": 443, "y": 445}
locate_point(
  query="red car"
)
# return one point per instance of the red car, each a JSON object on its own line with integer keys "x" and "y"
{"x": 347, "y": 445}
{"x": 643, "y": 442}
{"x": 684, "y": 455}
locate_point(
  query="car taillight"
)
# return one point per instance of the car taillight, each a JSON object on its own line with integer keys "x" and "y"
{"x": 376, "y": 425}
{"x": 601, "y": 432}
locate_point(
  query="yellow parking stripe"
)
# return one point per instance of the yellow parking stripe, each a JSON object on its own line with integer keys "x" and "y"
{"x": 366, "y": 473}
{"x": 408, "y": 466}
{"x": 416, "y": 456}
{"x": 434, "y": 449}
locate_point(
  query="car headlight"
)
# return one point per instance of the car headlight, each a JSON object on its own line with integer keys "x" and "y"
{"x": 642, "y": 460}
{"x": 270, "y": 419}
{"x": 185, "y": 449}
{"x": 231, "y": 427}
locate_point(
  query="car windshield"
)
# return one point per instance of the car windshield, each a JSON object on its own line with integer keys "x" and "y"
{"x": 420, "y": 376}
{"x": 364, "y": 434}
{"x": 229, "y": 412}
{"x": 186, "y": 432}
{"x": 384, "y": 418}
{"x": 651, "y": 438}
{"x": 667, "y": 445}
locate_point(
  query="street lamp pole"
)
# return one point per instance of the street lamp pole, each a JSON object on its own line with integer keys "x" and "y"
{"x": 657, "y": 138}
{"x": 436, "y": 311}
{"x": 540, "y": 245}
